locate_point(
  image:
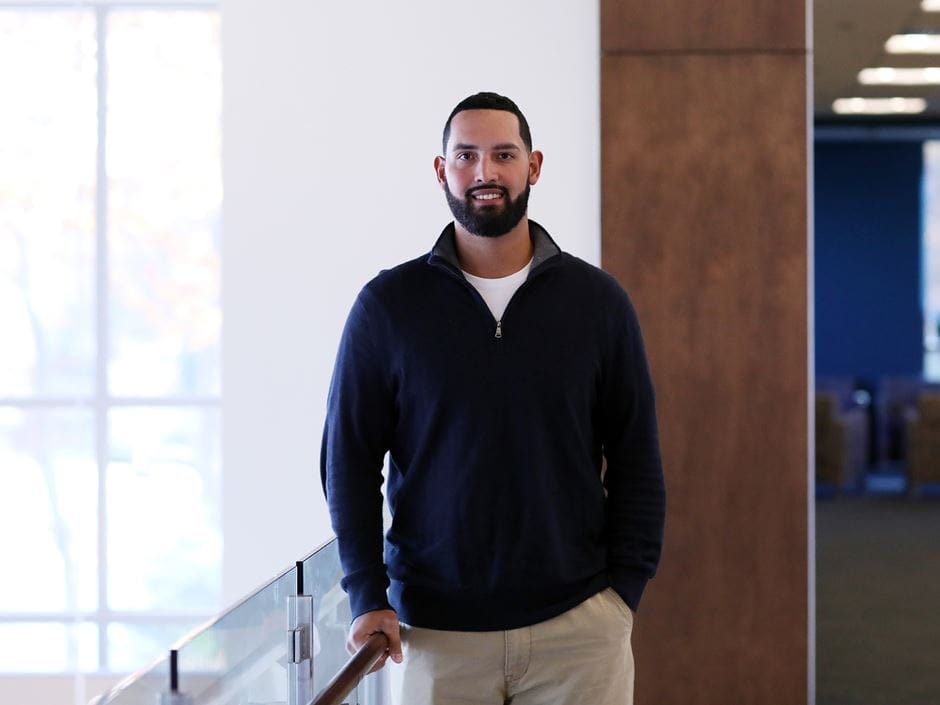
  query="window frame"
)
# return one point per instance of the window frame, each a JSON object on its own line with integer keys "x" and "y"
{"x": 101, "y": 402}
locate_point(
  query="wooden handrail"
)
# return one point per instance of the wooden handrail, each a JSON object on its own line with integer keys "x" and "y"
{"x": 349, "y": 675}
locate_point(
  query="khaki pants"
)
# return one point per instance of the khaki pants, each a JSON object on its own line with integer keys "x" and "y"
{"x": 581, "y": 657}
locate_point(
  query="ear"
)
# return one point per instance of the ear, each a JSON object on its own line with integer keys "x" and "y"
{"x": 535, "y": 166}
{"x": 439, "y": 164}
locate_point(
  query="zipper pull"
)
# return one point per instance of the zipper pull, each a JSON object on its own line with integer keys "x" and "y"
{"x": 499, "y": 329}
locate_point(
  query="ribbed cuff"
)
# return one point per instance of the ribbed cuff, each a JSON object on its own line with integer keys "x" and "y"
{"x": 629, "y": 585}
{"x": 367, "y": 592}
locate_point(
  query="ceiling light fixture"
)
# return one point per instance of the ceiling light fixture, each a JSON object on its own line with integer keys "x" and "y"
{"x": 913, "y": 44}
{"x": 879, "y": 106}
{"x": 888, "y": 76}
{"x": 930, "y": 5}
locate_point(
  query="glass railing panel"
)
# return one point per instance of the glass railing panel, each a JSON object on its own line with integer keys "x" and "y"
{"x": 331, "y": 620}
{"x": 241, "y": 658}
{"x": 331, "y": 616}
{"x": 141, "y": 688}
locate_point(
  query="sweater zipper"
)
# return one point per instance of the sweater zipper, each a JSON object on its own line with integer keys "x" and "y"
{"x": 499, "y": 323}
{"x": 498, "y": 335}
{"x": 476, "y": 294}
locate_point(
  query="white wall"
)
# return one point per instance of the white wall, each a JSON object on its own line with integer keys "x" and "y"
{"x": 332, "y": 115}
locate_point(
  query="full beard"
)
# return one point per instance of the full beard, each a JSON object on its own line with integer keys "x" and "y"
{"x": 488, "y": 220}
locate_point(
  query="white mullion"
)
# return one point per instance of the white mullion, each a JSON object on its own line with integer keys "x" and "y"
{"x": 49, "y": 403}
{"x": 58, "y": 403}
{"x": 90, "y": 402}
{"x": 101, "y": 333}
{"x": 105, "y": 615}
{"x": 110, "y": 4}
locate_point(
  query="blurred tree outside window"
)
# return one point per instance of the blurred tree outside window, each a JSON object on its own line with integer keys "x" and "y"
{"x": 110, "y": 316}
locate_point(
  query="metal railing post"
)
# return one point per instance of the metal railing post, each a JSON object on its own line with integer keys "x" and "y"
{"x": 299, "y": 644}
{"x": 173, "y": 696}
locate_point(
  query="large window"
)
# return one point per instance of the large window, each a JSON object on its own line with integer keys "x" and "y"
{"x": 110, "y": 198}
{"x": 930, "y": 258}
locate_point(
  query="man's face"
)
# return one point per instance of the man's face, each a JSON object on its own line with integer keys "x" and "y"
{"x": 487, "y": 171}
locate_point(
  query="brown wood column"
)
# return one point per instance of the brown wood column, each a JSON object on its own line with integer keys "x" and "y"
{"x": 704, "y": 222}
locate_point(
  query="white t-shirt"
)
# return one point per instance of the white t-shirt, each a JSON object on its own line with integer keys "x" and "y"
{"x": 497, "y": 292}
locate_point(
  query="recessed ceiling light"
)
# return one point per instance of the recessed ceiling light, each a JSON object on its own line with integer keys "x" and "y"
{"x": 930, "y": 5}
{"x": 913, "y": 44}
{"x": 879, "y": 106}
{"x": 886, "y": 75}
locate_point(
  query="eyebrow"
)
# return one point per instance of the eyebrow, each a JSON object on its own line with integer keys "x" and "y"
{"x": 503, "y": 147}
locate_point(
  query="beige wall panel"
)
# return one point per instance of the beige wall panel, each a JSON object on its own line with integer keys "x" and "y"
{"x": 704, "y": 219}
{"x": 680, "y": 25}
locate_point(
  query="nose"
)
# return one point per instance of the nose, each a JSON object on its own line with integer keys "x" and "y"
{"x": 487, "y": 170}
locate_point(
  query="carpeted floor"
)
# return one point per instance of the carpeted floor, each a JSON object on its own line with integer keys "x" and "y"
{"x": 878, "y": 601}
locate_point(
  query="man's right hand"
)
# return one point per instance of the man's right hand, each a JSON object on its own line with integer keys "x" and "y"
{"x": 367, "y": 624}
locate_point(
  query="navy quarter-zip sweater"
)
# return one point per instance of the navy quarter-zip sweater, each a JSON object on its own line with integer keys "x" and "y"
{"x": 503, "y": 513}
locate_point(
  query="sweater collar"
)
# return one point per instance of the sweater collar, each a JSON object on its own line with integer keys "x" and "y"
{"x": 543, "y": 247}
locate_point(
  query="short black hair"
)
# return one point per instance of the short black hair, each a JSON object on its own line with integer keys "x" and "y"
{"x": 490, "y": 101}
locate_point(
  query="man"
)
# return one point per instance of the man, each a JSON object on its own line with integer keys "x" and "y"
{"x": 499, "y": 373}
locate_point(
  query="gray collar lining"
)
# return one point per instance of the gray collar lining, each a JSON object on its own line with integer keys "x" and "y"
{"x": 544, "y": 247}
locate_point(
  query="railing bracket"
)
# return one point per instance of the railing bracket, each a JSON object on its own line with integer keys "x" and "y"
{"x": 298, "y": 644}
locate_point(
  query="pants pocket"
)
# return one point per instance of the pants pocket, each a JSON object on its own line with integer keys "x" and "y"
{"x": 618, "y": 603}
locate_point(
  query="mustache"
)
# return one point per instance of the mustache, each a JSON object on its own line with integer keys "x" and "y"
{"x": 486, "y": 187}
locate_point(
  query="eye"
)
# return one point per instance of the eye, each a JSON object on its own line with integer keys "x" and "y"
{"x": 506, "y": 156}
{"x": 464, "y": 156}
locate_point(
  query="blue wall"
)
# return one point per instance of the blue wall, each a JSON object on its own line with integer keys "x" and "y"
{"x": 867, "y": 260}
